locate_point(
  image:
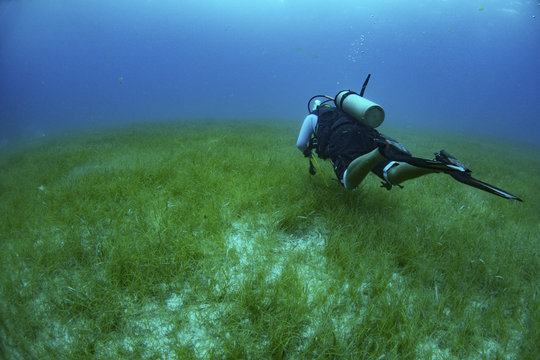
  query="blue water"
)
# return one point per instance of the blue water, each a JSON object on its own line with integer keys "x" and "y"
{"x": 457, "y": 64}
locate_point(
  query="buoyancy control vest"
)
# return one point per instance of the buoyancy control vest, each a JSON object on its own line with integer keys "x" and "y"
{"x": 329, "y": 120}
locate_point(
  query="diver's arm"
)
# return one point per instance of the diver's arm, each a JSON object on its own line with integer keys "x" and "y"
{"x": 307, "y": 129}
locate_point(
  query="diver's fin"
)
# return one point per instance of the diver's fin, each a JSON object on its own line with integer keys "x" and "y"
{"x": 394, "y": 151}
{"x": 463, "y": 175}
{"x": 466, "y": 178}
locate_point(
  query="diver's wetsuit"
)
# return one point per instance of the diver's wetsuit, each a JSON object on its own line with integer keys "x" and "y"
{"x": 345, "y": 144}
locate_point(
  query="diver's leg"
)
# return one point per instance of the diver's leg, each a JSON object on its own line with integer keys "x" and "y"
{"x": 360, "y": 167}
{"x": 403, "y": 172}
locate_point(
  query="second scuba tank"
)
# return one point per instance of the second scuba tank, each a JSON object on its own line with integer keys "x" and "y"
{"x": 360, "y": 108}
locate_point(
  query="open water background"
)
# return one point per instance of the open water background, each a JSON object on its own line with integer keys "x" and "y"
{"x": 469, "y": 65}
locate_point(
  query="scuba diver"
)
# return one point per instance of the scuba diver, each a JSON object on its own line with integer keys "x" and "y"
{"x": 345, "y": 134}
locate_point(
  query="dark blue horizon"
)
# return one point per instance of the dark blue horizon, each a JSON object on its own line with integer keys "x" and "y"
{"x": 462, "y": 65}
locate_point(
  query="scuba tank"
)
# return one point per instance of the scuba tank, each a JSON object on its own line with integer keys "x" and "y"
{"x": 360, "y": 108}
{"x": 354, "y": 105}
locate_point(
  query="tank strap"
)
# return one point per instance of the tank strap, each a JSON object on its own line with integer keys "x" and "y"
{"x": 343, "y": 97}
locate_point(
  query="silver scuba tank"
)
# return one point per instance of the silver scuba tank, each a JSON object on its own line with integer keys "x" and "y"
{"x": 360, "y": 108}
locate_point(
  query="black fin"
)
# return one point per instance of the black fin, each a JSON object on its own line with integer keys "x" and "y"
{"x": 466, "y": 178}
